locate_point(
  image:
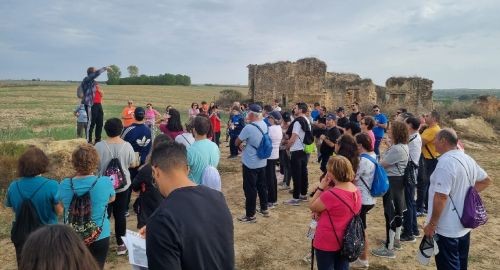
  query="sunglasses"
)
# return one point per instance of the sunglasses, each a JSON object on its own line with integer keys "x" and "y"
{"x": 376, "y": 110}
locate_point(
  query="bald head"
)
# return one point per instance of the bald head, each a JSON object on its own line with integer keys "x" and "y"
{"x": 448, "y": 135}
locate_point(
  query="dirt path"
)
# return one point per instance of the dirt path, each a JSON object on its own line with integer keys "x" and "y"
{"x": 279, "y": 242}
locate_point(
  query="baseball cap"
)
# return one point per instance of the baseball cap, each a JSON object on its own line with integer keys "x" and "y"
{"x": 331, "y": 116}
{"x": 255, "y": 108}
{"x": 139, "y": 111}
{"x": 287, "y": 117}
{"x": 340, "y": 109}
{"x": 426, "y": 249}
{"x": 276, "y": 115}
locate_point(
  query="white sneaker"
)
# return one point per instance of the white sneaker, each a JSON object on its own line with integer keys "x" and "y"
{"x": 359, "y": 264}
{"x": 121, "y": 250}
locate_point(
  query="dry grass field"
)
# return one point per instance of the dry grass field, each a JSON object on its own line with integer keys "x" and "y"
{"x": 277, "y": 242}
{"x": 46, "y": 111}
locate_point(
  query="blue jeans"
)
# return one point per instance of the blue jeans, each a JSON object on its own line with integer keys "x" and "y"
{"x": 377, "y": 145}
{"x": 233, "y": 149}
{"x": 330, "y": 260}
{"x": 453, "y": 252}
{"x": 410, "y": 215}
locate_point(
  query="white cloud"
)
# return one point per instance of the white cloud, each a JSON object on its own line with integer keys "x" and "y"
{"x": 213, "y": 41}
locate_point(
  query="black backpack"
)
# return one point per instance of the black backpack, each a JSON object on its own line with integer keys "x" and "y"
{"x": 114, "y": 170}
{"x": 79, "y": 216}
{"x": 410, "y": 171}
{"x": 308, "y": 137}
{"x": 353, "y": 242}
{"x": 27, "y": 219}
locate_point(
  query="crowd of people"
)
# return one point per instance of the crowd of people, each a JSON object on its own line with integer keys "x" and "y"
{"x": 182, "y": 212}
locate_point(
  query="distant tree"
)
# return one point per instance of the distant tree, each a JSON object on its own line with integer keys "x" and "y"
{"x": 133, "y": 71}
{"x": 228, "y": 96}
{"x": 114, "y": 75}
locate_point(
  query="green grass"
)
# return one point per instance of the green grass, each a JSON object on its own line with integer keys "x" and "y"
{"x": 25, "y": 133}
{"x": 29, "y": 110}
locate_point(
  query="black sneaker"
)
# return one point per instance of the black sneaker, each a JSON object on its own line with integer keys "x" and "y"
{"x": 408, "y": 238}
{"x": 245, "y": 219}
{"x": 264, "y": 213}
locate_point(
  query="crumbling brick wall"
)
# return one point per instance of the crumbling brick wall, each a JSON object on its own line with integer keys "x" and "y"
{"x": 413, "y": 93}
{"x": 286, "y": 81}
{"x": 308, "y": 81}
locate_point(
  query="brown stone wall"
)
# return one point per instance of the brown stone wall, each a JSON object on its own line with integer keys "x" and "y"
{"x": 308, "y": 81}
{"x": 287, "y": 81}
{"x": 346, "y": 88}
{"x": 413, "y": 93}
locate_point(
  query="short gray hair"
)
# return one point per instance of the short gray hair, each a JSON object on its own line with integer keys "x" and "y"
{"x": 449, "y": 135}
{"x": 256, "y": 114}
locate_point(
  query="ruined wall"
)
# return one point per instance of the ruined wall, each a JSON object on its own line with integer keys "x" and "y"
{"x": 342, "y": 89}
{"x": 413, "y": 93}
{"x": 308, "y": 81}
{"x": 286, "y": 81}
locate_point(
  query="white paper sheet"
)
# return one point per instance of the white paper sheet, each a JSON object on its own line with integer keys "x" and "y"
{"x": 136, "y": 246}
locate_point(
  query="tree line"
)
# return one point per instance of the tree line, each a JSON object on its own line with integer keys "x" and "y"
{"x": 114, "y": 78}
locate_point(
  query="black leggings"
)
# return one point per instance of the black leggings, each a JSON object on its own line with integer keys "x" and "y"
{"x": 271, "y": 181}
{"x": 99, "y": 249}
{"x": 118, "y": 209}
{"x": 394, "y": 205}
{"x": 285, "y": 168}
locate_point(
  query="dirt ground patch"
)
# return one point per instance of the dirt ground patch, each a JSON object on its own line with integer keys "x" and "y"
{"x": 279, "y": 242}
{"x": 475, "y": 127}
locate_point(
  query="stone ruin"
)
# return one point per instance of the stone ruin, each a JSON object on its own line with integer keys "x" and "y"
{"x": 307, "y": 80}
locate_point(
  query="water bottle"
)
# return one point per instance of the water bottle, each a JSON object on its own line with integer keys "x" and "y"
{"x": 312, "y": 229}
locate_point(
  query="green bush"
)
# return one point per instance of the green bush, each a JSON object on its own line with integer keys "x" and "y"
{"x": 228, "y": 96}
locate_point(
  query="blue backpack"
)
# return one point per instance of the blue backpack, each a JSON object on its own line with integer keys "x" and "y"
{"x": 266, "y": 145}
{"x": 380, "y": 183}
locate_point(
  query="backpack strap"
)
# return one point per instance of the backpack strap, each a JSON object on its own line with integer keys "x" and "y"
{"x": 331, "y": 223}
{"x": 33, "y": 194}
{"x": 253, "y": 124}
{"x": 366, "y": 185}
{"x": 91, "y": 186}
{"x": 397, "y": 166}
{"x": 369, "y": 158}
{"x": 260, "y": 132}
{"x": 330, "y": 218}
{"x": 429, "y": 151}
{"x": 109, "y": 149}
{"x": 185, "y": 139}
{"x": 468, "y": 178}
{"x": 331, "y": 191}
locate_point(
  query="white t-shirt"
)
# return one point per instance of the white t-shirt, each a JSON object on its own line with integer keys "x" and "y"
{"x": 415, "y": 147}
{"x": 276, "y": 134}
{"x": 366, "y": 170}
{"x": 185, "y": 138}
{"x": 297, "y": 129}
{"x": 451, "y": 178}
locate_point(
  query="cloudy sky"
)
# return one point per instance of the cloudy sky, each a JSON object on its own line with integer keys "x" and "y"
{"x": 456, "y": 43}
